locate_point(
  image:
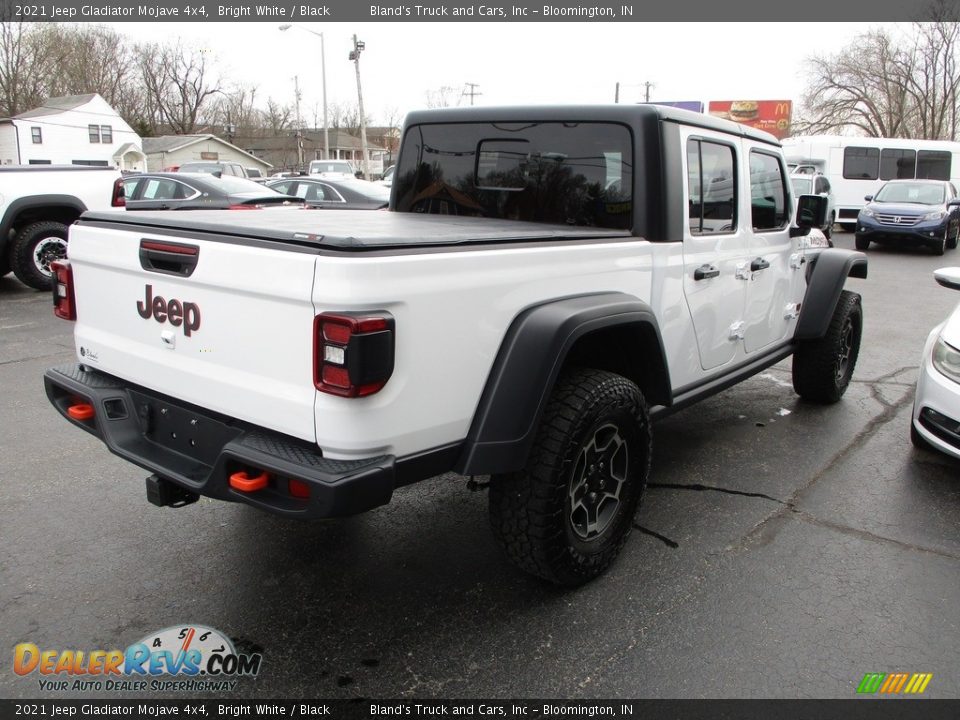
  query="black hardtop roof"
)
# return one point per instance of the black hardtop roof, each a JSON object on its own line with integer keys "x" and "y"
{"x": 628, "y": 114}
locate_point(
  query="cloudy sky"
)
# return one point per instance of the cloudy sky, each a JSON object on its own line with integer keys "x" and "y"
{"x": 545, "y": 62}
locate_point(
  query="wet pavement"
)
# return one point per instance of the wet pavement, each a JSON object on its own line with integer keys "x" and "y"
{"x": 783, "y": 549}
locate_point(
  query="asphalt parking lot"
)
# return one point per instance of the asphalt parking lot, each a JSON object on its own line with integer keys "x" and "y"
{"x": 783, "y": 550}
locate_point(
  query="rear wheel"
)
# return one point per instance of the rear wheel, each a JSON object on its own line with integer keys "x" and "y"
{"x": 952, "y": 241}
{"x": 34, "y": 248}
{"x": 822, "y": 368}
{"x": 568, "y": 513}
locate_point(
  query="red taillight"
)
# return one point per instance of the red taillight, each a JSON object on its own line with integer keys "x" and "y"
{"x": 64, "y": 303}
{"x": 299, "y": 489}
{"x": 119, "y": 198}
{"x": 352, "y": 354}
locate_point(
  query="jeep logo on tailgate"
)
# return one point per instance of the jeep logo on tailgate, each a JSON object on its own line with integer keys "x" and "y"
{"x": 175, "y": 312}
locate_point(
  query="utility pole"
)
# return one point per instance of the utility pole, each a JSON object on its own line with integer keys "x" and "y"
{"x": 296, "y": 94}
{"x": 323, "y": 75}
{"x": 473, "y": 92}
{"x": 359, "y": 47}
{"x": 647, "y": 85}
{"x": 616, "y": 94}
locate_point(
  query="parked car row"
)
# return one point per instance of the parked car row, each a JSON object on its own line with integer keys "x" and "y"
{"x": 204, "y": 191}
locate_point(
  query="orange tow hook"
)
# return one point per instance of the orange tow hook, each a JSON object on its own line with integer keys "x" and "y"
{"x": 81, "y": 411}
{"x": 244, "y": 483}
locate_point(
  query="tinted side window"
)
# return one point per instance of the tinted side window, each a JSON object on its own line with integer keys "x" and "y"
{"x": 768, "y": 192}
{"x": 566, "y": 173}
{"x": 861, "y": 163}
{"x": 711, "y": 187}
{"x": 933, "y": 164}
{"x": 897, "y": 164}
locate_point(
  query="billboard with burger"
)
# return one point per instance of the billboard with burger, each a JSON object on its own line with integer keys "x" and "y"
{"x": 772, "y": 116}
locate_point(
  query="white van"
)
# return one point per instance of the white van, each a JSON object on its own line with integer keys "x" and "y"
{"x": 858, "y": 166}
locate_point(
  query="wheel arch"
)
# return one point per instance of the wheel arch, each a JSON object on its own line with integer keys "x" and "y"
{"x": 826, "y": 275}
{"x": 607, "y": 331}
{"x": 37, "y": 208}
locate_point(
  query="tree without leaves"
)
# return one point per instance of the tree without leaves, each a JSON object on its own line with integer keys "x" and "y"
{"x": 178, "y": 83}
{"x": 883, "y": 88}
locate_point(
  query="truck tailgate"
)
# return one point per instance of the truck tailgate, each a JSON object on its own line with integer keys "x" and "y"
{"x": 227, "y": 326}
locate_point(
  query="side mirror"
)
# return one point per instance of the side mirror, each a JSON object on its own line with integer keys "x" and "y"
{"x": 948, "y": 277}
{"x": 868, "y": 198}
{"x": 811, "y": 213}
{"x": 954, "y": 203}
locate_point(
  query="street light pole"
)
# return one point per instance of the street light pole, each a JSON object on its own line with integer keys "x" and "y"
{"x": 358, "y": 47}
{"x": 323, "y": 75}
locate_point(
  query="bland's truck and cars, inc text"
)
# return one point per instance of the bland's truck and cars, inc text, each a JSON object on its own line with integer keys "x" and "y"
{"x": 548, "y": 281}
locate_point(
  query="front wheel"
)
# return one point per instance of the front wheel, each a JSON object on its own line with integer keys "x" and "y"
{"x": 34, "y": 248}
{"x": 828, "y": 230}
{"x": 861, "y": 243}
{"x": 568, "y": 513}
{"x": 822, "y": 368}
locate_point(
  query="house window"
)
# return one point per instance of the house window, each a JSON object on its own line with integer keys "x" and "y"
{"x": 106, "y": 134}
{"x": 37, "y": 135}
{"x": 94, "y": 133}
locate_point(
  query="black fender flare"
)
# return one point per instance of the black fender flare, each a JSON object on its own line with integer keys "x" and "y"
{"x": 529, "y": 361}
{"x": 31, "y": 202}
{"x": 826, "y": 275}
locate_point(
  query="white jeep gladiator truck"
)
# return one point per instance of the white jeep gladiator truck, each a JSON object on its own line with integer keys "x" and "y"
{"x": 547, "y": 282}
{"x": 38, "y": 203}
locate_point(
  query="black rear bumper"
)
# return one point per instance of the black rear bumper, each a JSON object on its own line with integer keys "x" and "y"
{"x": 199, "y": 450}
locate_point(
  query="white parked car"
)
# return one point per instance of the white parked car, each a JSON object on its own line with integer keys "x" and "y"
{"x": 936, "y": 406}
{"x": 332, "y": 169}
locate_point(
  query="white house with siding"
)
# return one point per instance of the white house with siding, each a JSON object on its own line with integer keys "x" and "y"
{"x": 71, "y": 130}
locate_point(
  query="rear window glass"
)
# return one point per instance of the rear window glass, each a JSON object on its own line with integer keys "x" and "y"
{"x": 576, "y": 174}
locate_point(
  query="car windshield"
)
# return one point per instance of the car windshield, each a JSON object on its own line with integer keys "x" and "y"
{"x": 330, "y": 166}
{"x": 802, "y": 186}
{"x": 919, "y": 193}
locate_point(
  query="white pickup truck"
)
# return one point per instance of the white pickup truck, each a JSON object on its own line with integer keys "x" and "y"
{"x": 548, "y": 280}
{"x": 38, "y": 203}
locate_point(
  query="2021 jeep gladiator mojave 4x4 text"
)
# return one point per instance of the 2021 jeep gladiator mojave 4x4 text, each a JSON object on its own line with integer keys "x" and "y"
{"x": 37, "y": 203}
{"x": 546, "y": 282}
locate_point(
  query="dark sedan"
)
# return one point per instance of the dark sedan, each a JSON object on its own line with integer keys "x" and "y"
{"x": 342, "y": 194}
{"x": 197, "y": 191}
{"x": 920, "y": 212}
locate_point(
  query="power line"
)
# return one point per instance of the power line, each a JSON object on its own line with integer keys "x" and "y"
{"x": 473, "y": 91}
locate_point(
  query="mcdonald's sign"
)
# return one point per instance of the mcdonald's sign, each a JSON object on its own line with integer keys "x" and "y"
{"x": 772, "y": 116}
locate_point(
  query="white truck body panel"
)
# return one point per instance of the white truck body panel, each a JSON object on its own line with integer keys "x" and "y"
{"x": 251, "y": 358}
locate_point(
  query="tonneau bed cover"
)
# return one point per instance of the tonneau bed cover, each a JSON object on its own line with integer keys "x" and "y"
{"x": 348, "y": 230}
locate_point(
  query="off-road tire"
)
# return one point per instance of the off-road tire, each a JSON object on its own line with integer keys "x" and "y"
{"x": 861, "y": 243}
{"x": 594, "y": 438}
{"x": 822, "y": 368}
{"x": 34, "y": 248}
